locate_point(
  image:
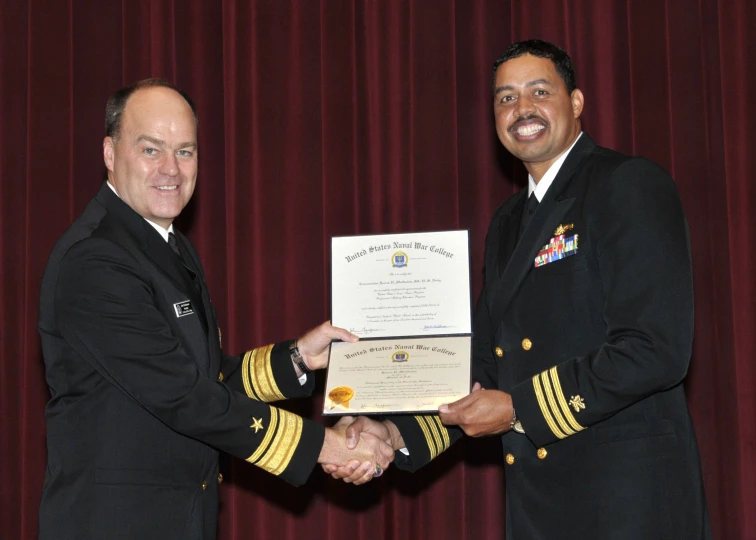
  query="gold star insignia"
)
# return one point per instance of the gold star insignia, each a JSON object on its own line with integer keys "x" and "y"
{"x": 257, "y": 424}
{"x": 576, "y": 402}
{"x": 563, "y": 229}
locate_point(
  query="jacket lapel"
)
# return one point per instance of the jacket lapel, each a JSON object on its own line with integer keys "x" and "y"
{"x": 548, "y": 215}
{"x": 149, "y": 242}
{"x": 211, "y": 323}
{"x": 509, "y": 228}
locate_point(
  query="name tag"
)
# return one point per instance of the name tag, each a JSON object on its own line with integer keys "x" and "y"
{"x": 183, "y": 308}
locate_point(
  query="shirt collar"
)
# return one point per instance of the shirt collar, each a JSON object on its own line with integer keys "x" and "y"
{"x": 163, "y": 232}
{"x": 542, "y": 187}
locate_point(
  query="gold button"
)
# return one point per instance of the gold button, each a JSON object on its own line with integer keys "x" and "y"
{"x": 220, "y": 478}
{"x": 542, "y": 453}
{"x": 510, "y": 459}
{"x": 499, "y": 352}
{"x": 204, "y": 486}
{"x": 527, "y": 344}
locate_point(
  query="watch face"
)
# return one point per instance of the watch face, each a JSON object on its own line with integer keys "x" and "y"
{"x": 518, "y": 427}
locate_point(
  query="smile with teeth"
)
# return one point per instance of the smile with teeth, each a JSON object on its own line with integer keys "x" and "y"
{"x": 526, "y": 131}
{"x": 167, "y": 188}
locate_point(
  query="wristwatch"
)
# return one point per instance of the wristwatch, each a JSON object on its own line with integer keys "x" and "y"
{"x": 296, "y": 357}
{"x": 515, "y": 424}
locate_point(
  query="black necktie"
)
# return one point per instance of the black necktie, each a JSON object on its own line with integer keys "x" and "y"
{"x": 528, "y": 212}
{"x": 180, "y": 254}
{"x": 174, "y": 245}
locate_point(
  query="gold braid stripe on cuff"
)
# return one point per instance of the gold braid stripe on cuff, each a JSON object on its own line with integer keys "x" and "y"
{"x": 245, "y": 376}
{"x": 257, "y": 374}
{"x": 263, "y": 447}
{"x": 552, "y": 403}
{"x": 545, "y": 408}
{"x": 436, "y": 434}
{"x": 444, "y": 432}
{"x": 562, "y": 401}
{"x": 278, "y": 456}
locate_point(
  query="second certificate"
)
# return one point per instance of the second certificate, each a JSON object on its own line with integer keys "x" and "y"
{"x": 392, "y": 376}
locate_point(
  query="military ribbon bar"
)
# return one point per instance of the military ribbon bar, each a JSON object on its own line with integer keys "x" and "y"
{"x": 558, "y": 248}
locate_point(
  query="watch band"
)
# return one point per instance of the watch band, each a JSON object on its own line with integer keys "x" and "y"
{"x": 296, "y": 357}
{"x": 515, "y": 424}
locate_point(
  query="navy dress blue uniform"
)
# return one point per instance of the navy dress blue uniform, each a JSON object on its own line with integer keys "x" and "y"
{"x": 593, "y": 347}
{"x": 142, "y": 396}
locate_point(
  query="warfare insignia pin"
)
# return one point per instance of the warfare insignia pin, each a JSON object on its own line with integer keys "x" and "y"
{"x": 257, "y": 424}
{"x": 576, "y": 402}
{"x": 563, "y": 229}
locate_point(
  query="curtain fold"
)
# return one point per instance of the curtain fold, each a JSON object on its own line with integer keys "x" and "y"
{"x": 335, "y": 117}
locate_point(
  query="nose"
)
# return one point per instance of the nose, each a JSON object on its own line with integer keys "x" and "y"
{"x": 169, "y": 166}
{"x": 524, "y": 106}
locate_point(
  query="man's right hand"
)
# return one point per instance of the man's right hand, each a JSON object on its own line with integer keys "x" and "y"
{"x": 365, "y": 451}
{"x": 355, "y": 471}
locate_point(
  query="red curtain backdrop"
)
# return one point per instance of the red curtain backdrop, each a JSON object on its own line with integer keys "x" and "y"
{"x": 334, "y": 117}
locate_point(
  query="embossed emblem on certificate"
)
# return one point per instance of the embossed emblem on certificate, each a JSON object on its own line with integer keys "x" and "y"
{"x": 400, "y": 356}
{"x": 400, "y": 259}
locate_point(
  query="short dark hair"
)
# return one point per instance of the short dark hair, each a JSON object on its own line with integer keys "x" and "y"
{"x": 117, "y": 103}
{"x": 542, "y": 49}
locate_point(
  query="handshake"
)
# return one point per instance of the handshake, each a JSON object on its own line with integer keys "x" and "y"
{"x": 358, "y": 450}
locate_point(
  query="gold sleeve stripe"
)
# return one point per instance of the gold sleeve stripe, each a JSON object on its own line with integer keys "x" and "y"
{"x": 428, "y": 438}
{"x": 444, "y": 432}
{"x": 246, "y": 376}
{"x": 271, "y": 430}
{"x": 552, "y": 402}
{"x": 436, "y": 434}
{"x": 545, "y": 408}
{"x": 262, "y": 375}
{"x": 562, "y": 401}
{"x": 279, "y": 455}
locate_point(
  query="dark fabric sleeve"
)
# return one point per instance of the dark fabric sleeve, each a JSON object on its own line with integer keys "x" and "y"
{"x": 106, "y": 310}
{"x": 645, "y": 266}
{"x": 265, "y": 374}
{"x": 425, "y": 438}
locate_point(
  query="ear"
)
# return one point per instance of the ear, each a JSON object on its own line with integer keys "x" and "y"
{"x": 108, "y": 152}
{"x": 577, "y": 102}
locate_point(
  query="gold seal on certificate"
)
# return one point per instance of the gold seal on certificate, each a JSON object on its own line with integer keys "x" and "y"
{"x": 340, "y": 396}
{"x": 407, "y": 296}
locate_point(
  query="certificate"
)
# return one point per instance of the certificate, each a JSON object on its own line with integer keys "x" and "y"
{"x": 397, "y": 376}
{"x": 397, "y": 285}
{"x": 407, "y": 296}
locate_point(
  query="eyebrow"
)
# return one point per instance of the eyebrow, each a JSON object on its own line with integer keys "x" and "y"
{"x": 161, "y": 143}
{"x": 528, "y": 84}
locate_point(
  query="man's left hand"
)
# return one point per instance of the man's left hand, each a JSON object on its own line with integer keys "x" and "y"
{"x": 483, "y": 412}
{"x": 313, "y": 346}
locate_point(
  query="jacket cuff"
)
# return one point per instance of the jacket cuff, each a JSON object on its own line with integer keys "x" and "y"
{"x": 425, "y": 438}
{"x": 544, "y": 410}
{"x": 268, "y": 374}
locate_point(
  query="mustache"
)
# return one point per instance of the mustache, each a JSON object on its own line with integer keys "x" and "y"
{"x": 522, "y": 119}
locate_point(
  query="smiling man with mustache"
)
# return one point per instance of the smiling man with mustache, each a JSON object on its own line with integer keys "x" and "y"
{"x": 583, "y": 332}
